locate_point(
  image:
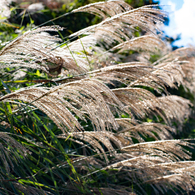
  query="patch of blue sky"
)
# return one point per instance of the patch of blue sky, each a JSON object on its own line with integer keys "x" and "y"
{"x": 181, "y": 20}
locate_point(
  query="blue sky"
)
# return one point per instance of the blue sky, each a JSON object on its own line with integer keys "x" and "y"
{"x": 182, "y": 20}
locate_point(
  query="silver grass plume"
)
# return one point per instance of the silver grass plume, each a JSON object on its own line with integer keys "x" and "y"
{"x": 105, "y": 9}
{"x": 101, "y": 94}
{"x": 33, "y": 50}
{"x": 11, "y": 152}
